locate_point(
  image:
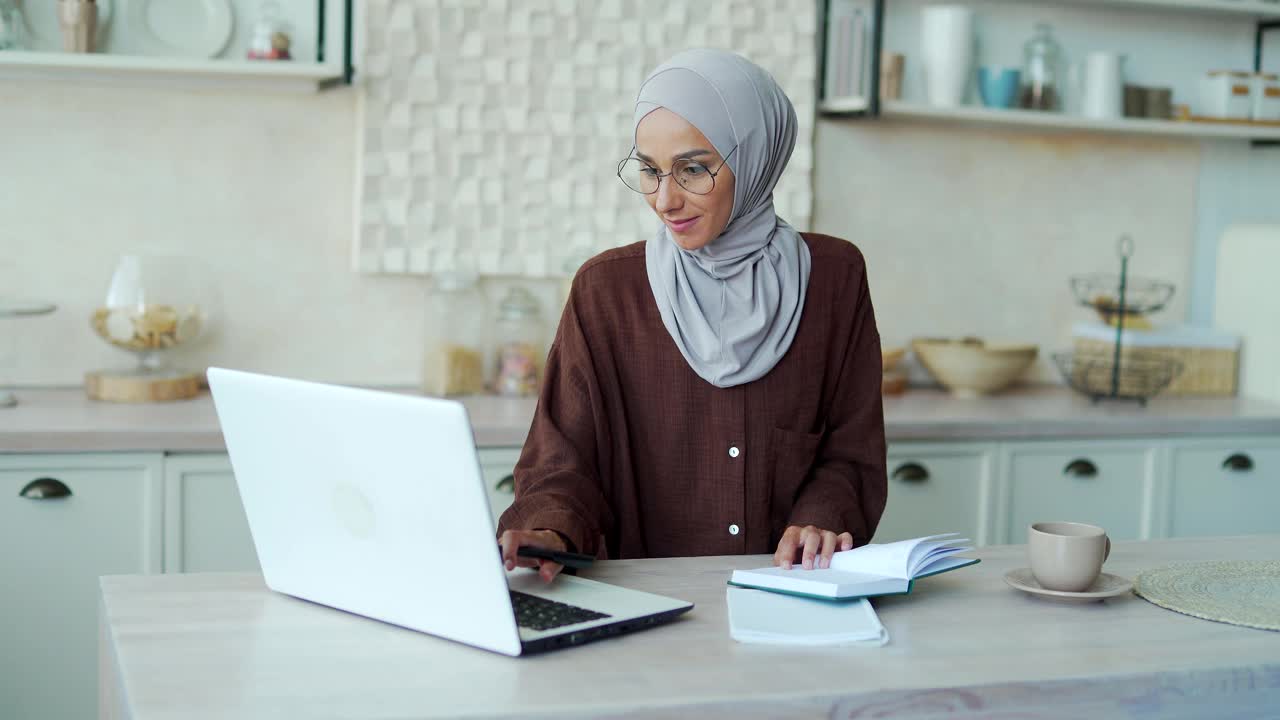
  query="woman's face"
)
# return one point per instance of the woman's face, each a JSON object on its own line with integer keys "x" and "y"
{"x": 664, "y": 137}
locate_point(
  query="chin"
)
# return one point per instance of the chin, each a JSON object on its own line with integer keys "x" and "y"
{"x": 691, "y": 243}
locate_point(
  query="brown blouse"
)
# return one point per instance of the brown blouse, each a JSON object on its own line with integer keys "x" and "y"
{"x": 631, "y": 454}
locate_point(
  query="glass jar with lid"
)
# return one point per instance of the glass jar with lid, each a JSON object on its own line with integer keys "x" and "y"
{"x": 1042, "y": 71}
{"x": 455, "y": 345}
{"x": 519, "y": 334}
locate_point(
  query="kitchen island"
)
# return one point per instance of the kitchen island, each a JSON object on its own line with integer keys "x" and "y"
{"x": 962, "y": 645}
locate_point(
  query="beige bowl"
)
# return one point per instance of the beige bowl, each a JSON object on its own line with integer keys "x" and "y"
{"x": 969, "y": 367}
{"x": 890, "y": 357}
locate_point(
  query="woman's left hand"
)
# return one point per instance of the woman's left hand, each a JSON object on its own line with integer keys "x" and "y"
{"x": 812, "y": 545}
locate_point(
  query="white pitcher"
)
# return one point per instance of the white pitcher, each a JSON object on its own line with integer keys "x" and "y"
{"x": 1102, "y": 86}
{"x": 946, "y": 46}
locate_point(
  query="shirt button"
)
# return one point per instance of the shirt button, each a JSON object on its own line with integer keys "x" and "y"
{"x": 734, "y": 452}
{"x": 733, "y": 529}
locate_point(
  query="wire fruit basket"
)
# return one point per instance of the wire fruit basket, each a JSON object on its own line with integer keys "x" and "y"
{"x": 1119, "y": 299}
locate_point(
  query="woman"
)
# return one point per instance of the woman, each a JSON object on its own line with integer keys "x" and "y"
{"x": 715, "y": 390}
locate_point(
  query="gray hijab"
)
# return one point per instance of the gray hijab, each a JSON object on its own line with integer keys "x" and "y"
{"x": 732, "y": 307}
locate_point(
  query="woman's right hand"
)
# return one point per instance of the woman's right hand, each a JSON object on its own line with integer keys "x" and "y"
{"x": 511, "y": 541}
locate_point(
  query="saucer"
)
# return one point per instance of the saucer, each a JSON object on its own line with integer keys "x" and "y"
{"x": 1106, "y": 586}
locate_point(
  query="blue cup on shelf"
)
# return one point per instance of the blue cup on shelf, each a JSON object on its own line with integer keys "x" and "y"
{"x": 998, "y": 86}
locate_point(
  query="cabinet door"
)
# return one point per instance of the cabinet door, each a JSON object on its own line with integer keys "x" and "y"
{"x": 65, "y": 521}
{"x": 205, "y": 528}
{"x": 1225, "y": 487}
{"x": 1102, "y": 483}
{"x": 935, "y": 488}
{"x": 496, "y": 465}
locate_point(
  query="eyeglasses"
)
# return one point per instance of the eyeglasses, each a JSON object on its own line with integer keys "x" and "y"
{"x": 692, "y": 175}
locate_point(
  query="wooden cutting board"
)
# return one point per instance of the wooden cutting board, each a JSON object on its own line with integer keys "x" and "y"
{"x": 1247, "y": 302}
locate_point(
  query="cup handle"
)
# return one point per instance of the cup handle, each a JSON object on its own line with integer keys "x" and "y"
{"x": 1106, "y": 551}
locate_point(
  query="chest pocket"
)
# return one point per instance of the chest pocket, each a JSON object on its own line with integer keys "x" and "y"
{"x": 791, "y": 456}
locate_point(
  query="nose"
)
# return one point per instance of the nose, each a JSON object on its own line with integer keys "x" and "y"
{"x": 670, "y": 196}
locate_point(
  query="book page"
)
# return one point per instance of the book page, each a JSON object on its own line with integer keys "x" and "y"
{"x": 926, "y": 556}
{"x": 886, "y": 559}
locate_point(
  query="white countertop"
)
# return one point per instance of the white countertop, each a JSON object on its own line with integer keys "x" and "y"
{"x": 222, "y": 645}
{"x": 64, "y": 420}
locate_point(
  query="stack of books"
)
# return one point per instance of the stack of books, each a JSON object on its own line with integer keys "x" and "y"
{"x": 829, "y": 606}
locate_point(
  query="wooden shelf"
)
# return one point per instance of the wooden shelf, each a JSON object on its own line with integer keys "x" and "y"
{"x": 137, "y": 69}
{"x": 973, "y": 115}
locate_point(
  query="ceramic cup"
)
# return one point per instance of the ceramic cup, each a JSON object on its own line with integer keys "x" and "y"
{"x": 1067, "y": 556}
{"x": 998, "y": 86}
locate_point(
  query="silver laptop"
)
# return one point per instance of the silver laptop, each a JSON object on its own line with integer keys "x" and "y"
{"x": 373, "y": 502}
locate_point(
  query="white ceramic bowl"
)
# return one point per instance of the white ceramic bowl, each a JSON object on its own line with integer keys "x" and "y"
{"x": 969, "y": 367}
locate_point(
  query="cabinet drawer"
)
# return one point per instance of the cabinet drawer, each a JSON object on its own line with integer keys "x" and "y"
{"x": 1225, "y": 489}
{"x": 99, "y": 515}
{"x": 1098, "y": 483}
{"x": 934, "y": 489}
{"x": 205, "y": 526}
{"x": 496, "y": 464}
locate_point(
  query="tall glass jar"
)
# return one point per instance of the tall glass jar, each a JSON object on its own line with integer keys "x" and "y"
{"x": 1041, "y": 72}
{"x": 519, "y": 334}
{"x": 457, "y": 320}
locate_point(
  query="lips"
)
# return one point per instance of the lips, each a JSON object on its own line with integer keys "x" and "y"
{"x": 682, "y": 225}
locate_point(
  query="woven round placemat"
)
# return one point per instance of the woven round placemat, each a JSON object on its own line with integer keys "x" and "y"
{"x": 1239, "y": 593}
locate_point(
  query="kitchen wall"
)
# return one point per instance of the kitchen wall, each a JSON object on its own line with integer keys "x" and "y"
{"x": 967, "y": 231}
{"x": 973, "y": 231}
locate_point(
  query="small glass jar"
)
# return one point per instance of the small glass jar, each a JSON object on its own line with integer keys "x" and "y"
{"x": 454, "y": 349}
{"x": 270, "y": 39}
{"x": 519, "y": 334}
{"x": 1041, "y": 72}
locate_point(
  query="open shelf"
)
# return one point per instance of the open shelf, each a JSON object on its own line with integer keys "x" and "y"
{"x": 1245, "y": 9}
{"x": 976, "y": 115}
{"x": 289, "y": 75}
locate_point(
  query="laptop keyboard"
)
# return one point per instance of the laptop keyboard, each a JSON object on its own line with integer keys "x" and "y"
{"x": 537, "y": 613}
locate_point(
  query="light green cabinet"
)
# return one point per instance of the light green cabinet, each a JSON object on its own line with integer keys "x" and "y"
{"x": 66, "y": 520}
{"x": 205, "y": 528}
{"x": 496, "y": 465}
{"x": 1225, "y": 487}
{"x": 933, "y": 488}
{"x": 1104, "y": 483}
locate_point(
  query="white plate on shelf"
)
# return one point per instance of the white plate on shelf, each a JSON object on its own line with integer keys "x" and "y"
{"x": 43, "y": 31}
{"x": 184, "y": 28}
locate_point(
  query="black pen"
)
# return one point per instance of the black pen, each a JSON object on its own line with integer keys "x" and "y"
{"x": 577, "y": 561}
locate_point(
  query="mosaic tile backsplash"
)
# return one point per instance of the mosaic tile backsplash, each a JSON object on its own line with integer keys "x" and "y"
{"x": 490, "y": 129}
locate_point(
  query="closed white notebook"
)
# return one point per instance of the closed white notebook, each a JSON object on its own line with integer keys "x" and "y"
{"x": 756, "y": 616}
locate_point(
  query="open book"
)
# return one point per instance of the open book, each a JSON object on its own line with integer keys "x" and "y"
{"x": 769, "y": 618}
{"x": 867, "y": 571}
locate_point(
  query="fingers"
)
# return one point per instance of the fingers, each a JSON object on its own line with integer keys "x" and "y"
{"x": 829, "y": 544}
{"x": 511, "y": 541}
{"x": 846, "y": 541}
{"x": 785, "y": 555}
{"x": 548, "y": 570}
{"x": 812, "y": 538}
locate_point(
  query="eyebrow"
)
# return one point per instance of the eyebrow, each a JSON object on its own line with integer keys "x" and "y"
{"x": 686, "y": 155}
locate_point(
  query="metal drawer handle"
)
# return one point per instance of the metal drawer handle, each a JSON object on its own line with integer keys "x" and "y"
{"x": 45, "y": 488}
{"x": 911, "y": 472}
{"x": 1081, "y": 468}
{"x": 1238, "y": 462}
{"x": 506, "y": 484}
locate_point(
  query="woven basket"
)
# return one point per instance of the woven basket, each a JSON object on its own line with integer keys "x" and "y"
{"x": 1205, "y": 371}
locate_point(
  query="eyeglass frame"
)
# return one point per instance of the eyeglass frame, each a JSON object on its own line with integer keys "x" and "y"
{"x": 660, "y": 176}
